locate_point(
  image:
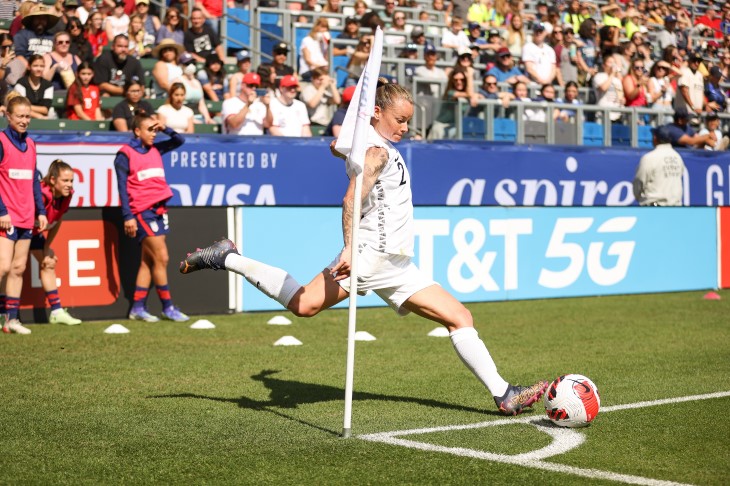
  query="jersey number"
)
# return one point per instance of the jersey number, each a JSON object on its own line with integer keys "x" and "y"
{"x": 402, "y": 173}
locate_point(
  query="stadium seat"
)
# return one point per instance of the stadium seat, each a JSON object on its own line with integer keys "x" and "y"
{"x": 645, "y": 137}
{"x": 592, "y": 134}
{"x": 620, "y": 135}
{"x": 214, "y": 106}
{"x": 317, "y": 130}
{"x": 65, "y": 125}
{"x": 505, "y": 130}
{"x": 535, "y": 132}
{"x": 204, "y": 128}
{"x": 109, "y": 102}
{"x": 473, "y": 128}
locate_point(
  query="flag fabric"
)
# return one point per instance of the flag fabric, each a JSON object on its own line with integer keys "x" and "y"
{"x": 351, "y": 141}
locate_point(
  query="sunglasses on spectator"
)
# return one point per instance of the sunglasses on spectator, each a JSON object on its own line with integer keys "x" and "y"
{"x": 490, "y": 84}
{"x": 63, "y": 42}
{"x": 459, "y": 79}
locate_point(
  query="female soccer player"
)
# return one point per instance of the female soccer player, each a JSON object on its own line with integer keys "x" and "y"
{"x": 20, "y": 205}
{"x": 143, "y": 192}
{"x": 57, "y": 191}
{"x": 386, "y": 249}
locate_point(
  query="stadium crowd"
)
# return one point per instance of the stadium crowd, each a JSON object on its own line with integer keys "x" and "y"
{"x": 671, "y": 56}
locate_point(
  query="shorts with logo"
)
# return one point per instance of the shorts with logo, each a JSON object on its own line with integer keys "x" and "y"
{"x": 394, "y": 278}
{"x": 152, "y": 222}
{"x": 16, "y": 234}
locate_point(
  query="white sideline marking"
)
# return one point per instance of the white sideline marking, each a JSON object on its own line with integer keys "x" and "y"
{"x": 563, "y": 440}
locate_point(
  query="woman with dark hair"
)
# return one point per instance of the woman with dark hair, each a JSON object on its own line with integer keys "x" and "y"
{"x": 79, "y": 45}
{"x": 172, "y": 27}
{"x": 268, "y": 76}
{"x": 38, "y": 90}
{"x": 7, "y": 54}
{"x": 570, "y": 98}
{"x": 588, "y": 59}
{"x": 214, "y": 79}
{"x": 84, "y": 100}
{"x": 174, "y": 113}
{"x": 457, "y": 86}
{"x": 123, "y": 113}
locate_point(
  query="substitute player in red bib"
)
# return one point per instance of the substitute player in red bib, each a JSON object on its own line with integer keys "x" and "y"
{"x": 57, "y": 192}
{"x": 20, "y": 204}
{"x": 143, "y": 192}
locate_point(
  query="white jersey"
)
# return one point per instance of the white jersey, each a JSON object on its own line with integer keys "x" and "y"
{"x": 387, "y": 212}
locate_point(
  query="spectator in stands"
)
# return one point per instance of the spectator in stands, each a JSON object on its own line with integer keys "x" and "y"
{"x": 505, "y": 71}
{"x": 114, "y": 68}
{"x": 500, "y": 14}
{"x": 712, "y": 125}
{"x": 36, "y": 89}
{"x": 588, "y": 53}
{"x": 358, "y": 9}
{"x": 658, "y": 179}
{"x": 289, "y": 114}
{"x": 95, "y": 34}
{"x": 708, "y": 25}
{"x": 6, "y": 55}
{"x": 334, "y": 126}
{"x": 118, "y": 22}
{"x": 571, "y": 98}
{"x": 247, "y": 113}
{"x": 151, "y": 23}
{"x": 626, "y": 52}
{"x": 566, "y": 55}
{"x": 66, "y": 10}
{"x": 213, "y": 11}
{"x": 429, "y": 70}
{"x": 79, "y": 45}
{"x": 194, "y": 95}
{"x": 319, "y": 95}
{"x": 456, "y": 88}
{"x": 84, "y": 10}
{"x": 691, "y": 87}
{"x": 573, "y": 15}
{"x": 21, "y": 203}
{"x": 358, "y": 60}
{"x": 351, "y": 30}
{"x": 608, "y": 40}
{"x": 17, "y": 23}
{"x": 243, "y": 58}
{"x": 680, "y": 134}
{"x": 140, "y": 44}
{"x": 668, "y": 36}
{"x": 60, "y": 64}
{"x": 171, "y": 28}
{"x": 278, "y": 61}
{"x": 84, "y": 98}
{"x": 333, "y": 7}
{"x": 418, "y": 37}
{"x": 661, "y": 89}
{"x": 200, "y": 38}
{"x": 174, "y": 113}
{"x": 213, "y": 78}
{"x": 386, "y": 15}
{"x": 268, "y": 77}
{"x": 635, "y": 85}
{"x": 516, "y": 36}
{"x": 123, "y": 112}
{"x": 487, "y": 47}
{"x": 399, "y": 31}
{"x": 490, "y": 91}
{"x": 314, "y": 48}
{"x": 309, "y": 6}
{"x": 609, "y": 88}
{"x": 643, "y": 50}
{"x": 166, "y": 69}
{"x": 455, "y": 38}
{"x": 479, "y": 13}
{"x": 724, "y": 65}
{"x": 539, "y": 58}
{"x": 716, "y": 97}
{"x": 612, "y": 15}
{"x": 35, "y": 36}
{"x": 143, "y": 200}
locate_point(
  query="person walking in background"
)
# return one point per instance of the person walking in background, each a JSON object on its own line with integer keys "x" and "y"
{"x": 386, "y": 238}
{"x": 658, "y": 179}
{"x": 144, "y": 192}
{"x": 21, "y": 208}
{"x": 57, "y": 192}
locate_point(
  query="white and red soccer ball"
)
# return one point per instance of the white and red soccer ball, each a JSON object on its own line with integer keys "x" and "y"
{"x": 572, "y": 401}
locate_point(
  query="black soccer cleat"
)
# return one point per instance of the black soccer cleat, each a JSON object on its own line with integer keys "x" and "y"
{"x": 518, "y": 398}
{"x": 213, "y": 256}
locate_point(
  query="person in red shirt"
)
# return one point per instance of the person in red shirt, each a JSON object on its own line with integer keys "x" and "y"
{"x": 143, "y": 193}
{"x": 712, "y": 20}
{"x": 57, "y": 191}
{"x": 95, "y": 34}
{"x": 21, "y": 208}
{"x": 83, "y": 102}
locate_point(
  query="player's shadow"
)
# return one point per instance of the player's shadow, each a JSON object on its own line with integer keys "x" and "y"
{"x": 289, "y": 394}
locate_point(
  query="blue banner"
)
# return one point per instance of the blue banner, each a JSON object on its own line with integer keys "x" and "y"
{"x": 232, "y": 171}
{"x": 489, "y": 254}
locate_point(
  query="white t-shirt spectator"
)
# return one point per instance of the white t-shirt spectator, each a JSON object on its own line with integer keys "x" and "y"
{"x": 613, "y": 96}
{"x": 289, "y": 119}
{"x": 696, "y": 84}
{"x": 459, "y": 40}
{"x": 436, "y": 73}
{"x": 176, "y": 119}
{"x": 543, "y": 57}
{"x": 253, "y": 124}
{"x": 118, "y": 25}
{"x": 316, "y": 55}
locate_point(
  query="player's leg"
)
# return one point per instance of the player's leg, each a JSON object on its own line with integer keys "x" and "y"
{"x": 154, "y": 249}
{"x": 319, "y": 294}
{"x": 14, "y": 284}
{"x": 59, "y": 315}
{"x": 7, "y": 248}
{"x": 142, "y": 286}
{"x": 438, "y": 305}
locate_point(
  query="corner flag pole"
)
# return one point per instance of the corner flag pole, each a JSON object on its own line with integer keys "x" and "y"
{"x": 352, "y": 142}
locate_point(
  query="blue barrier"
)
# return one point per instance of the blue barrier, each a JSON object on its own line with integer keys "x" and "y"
{"x": 490, "y": 254}
{"x": 231, "y": 171}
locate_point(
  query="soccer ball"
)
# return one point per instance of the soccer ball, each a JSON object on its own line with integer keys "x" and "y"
{"x": 572, "y": 401}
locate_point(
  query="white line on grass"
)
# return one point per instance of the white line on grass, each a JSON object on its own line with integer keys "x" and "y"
{"x": 563, "y": 441}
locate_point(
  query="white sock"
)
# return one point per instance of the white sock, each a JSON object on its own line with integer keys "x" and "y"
{"x": 476, "y": 357}
{"x": 272, "y": 281}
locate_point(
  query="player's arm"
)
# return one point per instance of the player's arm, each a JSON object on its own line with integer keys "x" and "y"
{"x": 375, "y": 160}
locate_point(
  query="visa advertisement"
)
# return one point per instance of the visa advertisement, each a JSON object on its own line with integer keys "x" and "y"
{"x": 273, "y": 171}
{"x": 489, "y": 254}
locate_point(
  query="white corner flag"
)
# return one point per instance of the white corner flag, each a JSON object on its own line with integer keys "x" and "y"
{"x": 352, "y": 143}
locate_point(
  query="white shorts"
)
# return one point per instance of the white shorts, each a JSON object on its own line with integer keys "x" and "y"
{"x": 394, "y": 278}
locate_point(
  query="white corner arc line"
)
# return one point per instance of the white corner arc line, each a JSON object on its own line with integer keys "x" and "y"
{"x": 563, "y": 440}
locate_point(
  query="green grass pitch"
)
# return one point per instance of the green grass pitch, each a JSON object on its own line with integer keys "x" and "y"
{"x": 169, "y": 405}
